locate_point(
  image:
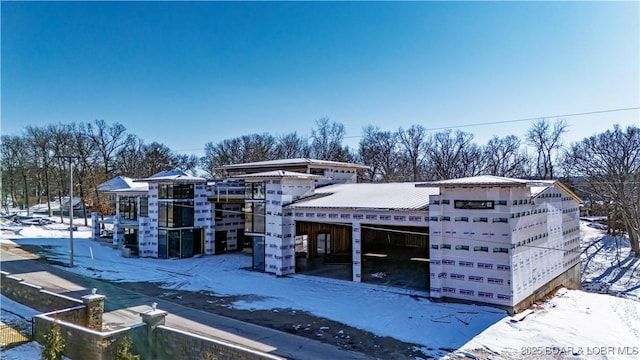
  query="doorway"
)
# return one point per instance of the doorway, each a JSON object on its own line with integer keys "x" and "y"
{"x": 258, "y": 253}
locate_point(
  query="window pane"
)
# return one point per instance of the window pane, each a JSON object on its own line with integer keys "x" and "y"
{"x": 248, "y": 217}
{"x": 187, "y": 214}
{"x": 162, "y": 214}
{"x": 170, "y": 222}
{"x": 259, "y": 218}
{"x": 258, "y": 190}
{"x": 186, "y": 245}
{"x": 162, "y": 191}
{"x": 174, "y": 243}
{"x": 144, "y": 206}
{"x": 162, "y": 244}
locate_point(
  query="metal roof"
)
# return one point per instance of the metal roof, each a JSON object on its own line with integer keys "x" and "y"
{"x": 536, "y": 186}
{"x": 280, "y": 174}
{"x": 293, "y": 162}
{"x": 482, "y": 180}
{"x": 173, "y": 176}
{"x": 374, "y": 196}
{"x": 123, "y": 184}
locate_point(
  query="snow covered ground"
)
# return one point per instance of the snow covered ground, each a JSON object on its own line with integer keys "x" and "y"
{"x": 573, "y": 324}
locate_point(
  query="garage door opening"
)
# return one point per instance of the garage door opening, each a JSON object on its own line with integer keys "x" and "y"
{"x": 395, "y": 256}
{"x": 324, "y": 250}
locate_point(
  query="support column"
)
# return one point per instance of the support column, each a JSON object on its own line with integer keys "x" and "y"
{"x": 118, "y": 232}
{"x": 95, "y": 225}
{"x": 356, "y": 246}
{"x": 95, "y": 309}
{"x": 154, "y": 317}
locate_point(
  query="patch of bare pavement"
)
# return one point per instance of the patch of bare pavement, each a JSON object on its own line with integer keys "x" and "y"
{"x": 288, "y": 320}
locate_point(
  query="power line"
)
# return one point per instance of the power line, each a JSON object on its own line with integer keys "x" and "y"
{"x": 522, "y": 120}
{"x": 500, "y": 122}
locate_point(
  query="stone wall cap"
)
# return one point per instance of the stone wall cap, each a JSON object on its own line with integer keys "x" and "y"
{"x": 154, "y": 313}
{"x": 93, "y": 297}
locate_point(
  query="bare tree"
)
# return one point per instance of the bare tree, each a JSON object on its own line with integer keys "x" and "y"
{"x": 157, "y": 157}
{"x": 226, "y": 152}
{"x": 291, "y": 146}
{"x": 38, "y": 138}
{"x": 61, "y": 141}
{"x": 610, "y": 162}
{"x": 130, "y": 158}
{"x": 547, "y": 141}
{"x": 15, "y": 169}
{"x": 453, "y": 155}
{"x": 185, "y": 162}
{"x": 258, "y": 147}
{"x": 413, "y": 149}
{"x": 107, "y": 140}
{"x": 379, "y": 150}
{"x": 505, "y": 157}
{"x": 85, "y": 155}
{"x": 326, "y": 141}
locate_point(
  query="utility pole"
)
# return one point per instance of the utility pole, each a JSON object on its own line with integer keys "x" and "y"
{"x": 70, "y": 206}
{"x": 70, "y": 213}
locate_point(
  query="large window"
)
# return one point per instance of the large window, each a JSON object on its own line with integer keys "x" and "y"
{"x": 175, "y": 214}
{"x": 128, "y": 208}
{"x": 254, "y": 190}
{"x": 175, "y": 191}
{"x": 254, "y": 218}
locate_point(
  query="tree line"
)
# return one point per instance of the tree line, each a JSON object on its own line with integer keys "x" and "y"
{"x": 604, "y": 167}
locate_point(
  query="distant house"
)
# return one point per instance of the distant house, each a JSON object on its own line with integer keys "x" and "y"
{"x": 484, "y": 239}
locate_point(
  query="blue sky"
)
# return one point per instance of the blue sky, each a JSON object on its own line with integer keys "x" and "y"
{"x": 188, "y": 73}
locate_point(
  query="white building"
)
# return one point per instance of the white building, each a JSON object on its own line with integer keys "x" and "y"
{"x": 483, "y": 239}
{"x": 502, "y": 241}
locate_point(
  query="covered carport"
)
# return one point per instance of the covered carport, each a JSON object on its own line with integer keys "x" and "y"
{"x": 373, "y": 232}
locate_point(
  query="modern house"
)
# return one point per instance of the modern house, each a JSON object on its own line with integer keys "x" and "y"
{"x": 483, "y": 239}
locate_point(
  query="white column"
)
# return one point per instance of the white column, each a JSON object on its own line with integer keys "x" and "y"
{"x": 356, "y": 246}
{"x": 95, "y": 225}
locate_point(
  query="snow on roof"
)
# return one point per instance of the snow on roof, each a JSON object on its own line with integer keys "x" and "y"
{"x": 482, "y": 180}
{"x": 292, "y": 162}
{"x": 173, "y": 175}
{"x": 536, "y": 186}
{"x": 398, "y": 196}
{"x": 123, "y": 184}
{"x": 280, "y": 174}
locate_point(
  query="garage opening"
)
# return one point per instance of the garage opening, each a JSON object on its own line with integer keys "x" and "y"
{"x": 324, "y": 250}
{"x": 396, "y": 256}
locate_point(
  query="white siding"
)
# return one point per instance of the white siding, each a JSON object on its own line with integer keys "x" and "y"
{"x": 540, "y": 238}
{"x": 152, "y": 240}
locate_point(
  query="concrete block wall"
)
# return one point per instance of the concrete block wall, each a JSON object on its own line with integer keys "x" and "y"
{"x": 83, "y": 343}
{"x": 34, "y": 296}
{"x": 175, "y": 344}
